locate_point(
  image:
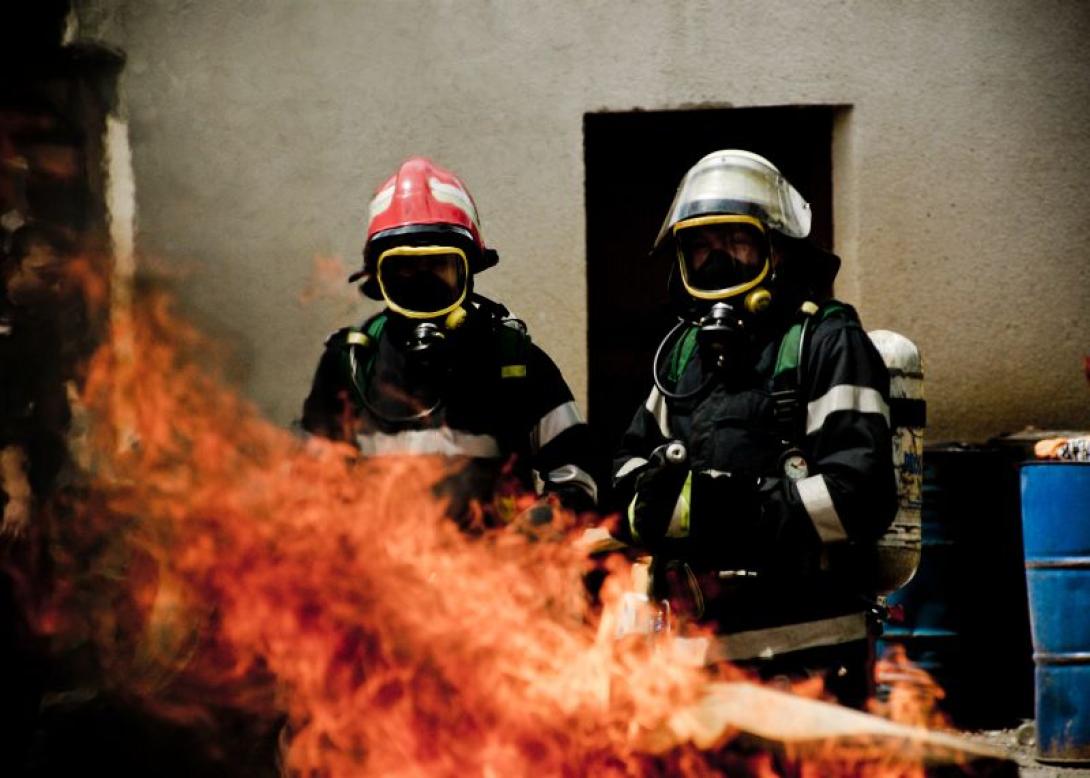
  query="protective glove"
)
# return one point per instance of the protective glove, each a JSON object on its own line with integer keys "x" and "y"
{"x": 725, "y": 522}
{"x": 660, "y": 488}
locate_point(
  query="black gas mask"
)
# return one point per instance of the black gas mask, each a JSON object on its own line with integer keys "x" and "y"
{"x": 424, "y": 286}
{"x": 724, "y": 263}
{"x": 722, "y": 285}
{"x": 719, "y": 270}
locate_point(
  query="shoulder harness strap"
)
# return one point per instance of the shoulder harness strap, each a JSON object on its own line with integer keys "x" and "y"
{"x": 681, "y": 354}
{"x": 790, "y": 363}
{"x": 358, "y": 349}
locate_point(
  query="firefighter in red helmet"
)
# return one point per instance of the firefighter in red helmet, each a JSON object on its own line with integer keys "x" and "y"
{"x": 442, "y": 370}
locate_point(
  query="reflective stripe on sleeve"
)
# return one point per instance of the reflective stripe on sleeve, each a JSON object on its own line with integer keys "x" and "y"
{"x": 656, "y": 406}
{"x": 814, "y": 493}
{"x": 633, "y": 464}
{"x": 443, "y": 440}
{"x": 560, "y": 418}
{"x": 679, "y": 519}
{"x": 576, "y": 476}
{"x": 631, "y": 516}
{"x": 844, "y": 397}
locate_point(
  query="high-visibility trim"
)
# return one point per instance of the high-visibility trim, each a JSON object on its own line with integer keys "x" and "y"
{"x": 814, "y": 493}
{"x": 380, "y": 202}
{"x": 561, "y": 418}
{"x": 442, "y": 440}
{"x": 513, "y": 371}
{"x": 632, "y": 464}
{"x": 631, "y": 514}
{"x": 357, "y": 338}
{"x": 844, "y": 397}
{"x": 656, "y": 406}
{"x": 576, "y": 476}
{"x": 774, "y": 641}
{"x": 452, "y": 194}
{"x": 679, "y": 519}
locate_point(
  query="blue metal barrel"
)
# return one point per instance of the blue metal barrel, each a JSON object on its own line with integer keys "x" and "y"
{"x": 1056, "y": 534}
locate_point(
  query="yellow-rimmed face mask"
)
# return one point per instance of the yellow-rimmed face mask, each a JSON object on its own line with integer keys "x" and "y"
{"x": 721, "y": 256}
{"x": 423, "y": 282}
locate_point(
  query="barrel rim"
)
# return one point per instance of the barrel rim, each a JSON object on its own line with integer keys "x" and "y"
{"x": 1064, "y": 658}
{"x": 1058, "y": 563}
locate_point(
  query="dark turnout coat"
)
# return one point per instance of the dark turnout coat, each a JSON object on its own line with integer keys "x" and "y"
{"x": 774, "y": 554}
{"x": 499, "y": 398}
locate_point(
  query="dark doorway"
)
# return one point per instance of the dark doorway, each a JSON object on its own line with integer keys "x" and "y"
{"x": 634, "y": 162}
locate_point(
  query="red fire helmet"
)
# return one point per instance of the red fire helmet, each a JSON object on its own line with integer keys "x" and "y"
{"x": 421, "y": 204}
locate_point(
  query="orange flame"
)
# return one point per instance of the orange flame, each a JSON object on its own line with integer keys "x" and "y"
{"x": 219, "y": 560}
{"x": 913, "y": 694}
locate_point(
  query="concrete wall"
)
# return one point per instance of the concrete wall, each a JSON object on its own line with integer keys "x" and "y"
{"x": 260, "y": 128}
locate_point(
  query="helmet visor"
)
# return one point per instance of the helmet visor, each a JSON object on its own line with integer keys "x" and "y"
{"x": 721, "y": 256}
{"x": 422, "y": 282}
{"x": 739, "y": 182}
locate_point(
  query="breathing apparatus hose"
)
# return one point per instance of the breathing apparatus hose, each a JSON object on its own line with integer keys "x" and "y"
{"x": 655, "y": 364}
{"x": 418, "y": 416}
{"x": 362, "y": 393}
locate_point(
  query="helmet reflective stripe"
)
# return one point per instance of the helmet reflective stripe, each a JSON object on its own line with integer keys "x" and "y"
{"x": 380, "y": 202}
{"x": 454, "y": 195}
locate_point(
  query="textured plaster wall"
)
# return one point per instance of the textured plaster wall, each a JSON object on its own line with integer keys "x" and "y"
{"x": 260, "y": 128}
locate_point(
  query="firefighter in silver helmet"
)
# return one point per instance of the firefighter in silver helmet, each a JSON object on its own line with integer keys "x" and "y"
{"x": 758, "y": 472}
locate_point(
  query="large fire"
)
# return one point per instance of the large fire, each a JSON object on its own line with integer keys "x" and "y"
{"x": 212, "y": 561}
{"x": 217, "y": 560}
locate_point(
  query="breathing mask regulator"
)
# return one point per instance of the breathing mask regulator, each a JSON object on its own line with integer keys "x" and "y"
{"x": 425, "y": 286}
{"x": 722, "y": 284}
